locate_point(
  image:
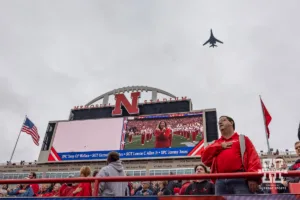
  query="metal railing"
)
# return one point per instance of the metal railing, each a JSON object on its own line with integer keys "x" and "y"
{"x": 97, "y": 180}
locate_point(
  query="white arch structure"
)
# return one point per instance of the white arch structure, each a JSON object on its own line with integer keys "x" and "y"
{"x": 154, "y": 91}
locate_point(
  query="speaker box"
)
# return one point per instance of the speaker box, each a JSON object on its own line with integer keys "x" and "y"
{"x": 211, "y": 126}
{"x": 48, "y": 136}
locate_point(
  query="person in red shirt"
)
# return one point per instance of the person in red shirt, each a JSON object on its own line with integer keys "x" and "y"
{"x": 56, "y": 189}
{"x": 44, "y": 190}
{"x": 162, "y": 134}
{"x": 67, "y": 189}
{"x": 84, "y": 189}
{"x": 200, "y": 187}
{"x": 224, "y": 156}
{"x": 184, "y": 186}
{"x": 35, "y": 187}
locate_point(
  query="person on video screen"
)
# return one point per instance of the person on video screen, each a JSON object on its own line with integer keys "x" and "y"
{"x": 151, "y": 133}
{"x": 170, "y": 135}
{"x": 147, "y": 134}
{"x": 162, "y": 134}
{"x": 143, "y": 135}
{"x": 195, "y": 131}
{"x": 130, "y": 135}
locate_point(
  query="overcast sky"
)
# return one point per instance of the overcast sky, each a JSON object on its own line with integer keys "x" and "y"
{"x": 57, "y": 54}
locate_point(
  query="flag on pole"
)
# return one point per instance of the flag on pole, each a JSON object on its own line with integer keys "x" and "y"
{"x": 267, "y": 117}
{"x": 29, "y": 128}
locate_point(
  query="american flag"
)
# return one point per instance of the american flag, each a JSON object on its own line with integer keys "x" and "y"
{"x": 29, "y": 128}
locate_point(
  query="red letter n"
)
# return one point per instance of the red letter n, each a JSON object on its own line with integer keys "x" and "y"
{"x": 132, "y": 108}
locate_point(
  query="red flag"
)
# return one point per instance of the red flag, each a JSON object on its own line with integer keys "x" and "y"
{"x": 267, "y": 117}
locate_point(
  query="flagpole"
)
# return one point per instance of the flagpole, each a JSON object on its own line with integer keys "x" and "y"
{"x": 266, "y": 132}
{"x": 17, "y": 140}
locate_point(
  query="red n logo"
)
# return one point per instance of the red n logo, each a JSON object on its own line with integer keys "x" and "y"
{"x": 132, "y": 108}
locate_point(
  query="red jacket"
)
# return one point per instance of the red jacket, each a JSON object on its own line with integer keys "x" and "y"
{"x": 86, "y": 190}
{"x": 162, "y": 138}
{"x": 212, "y": 153}
{"x": 66, "y": 191}
{"x": 183, "y": 188}
{"x": 35, "y": 188}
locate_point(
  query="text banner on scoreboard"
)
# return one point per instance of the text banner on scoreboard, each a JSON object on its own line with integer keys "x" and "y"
{"x": 153, "y": 136}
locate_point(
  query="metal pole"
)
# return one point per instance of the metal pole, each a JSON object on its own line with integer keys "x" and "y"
{"x": 17, "y": 140}
{"x": 266, "y": 133}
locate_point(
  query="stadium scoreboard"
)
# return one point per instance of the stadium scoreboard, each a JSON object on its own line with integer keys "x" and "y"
{"x": 93, "y": 130}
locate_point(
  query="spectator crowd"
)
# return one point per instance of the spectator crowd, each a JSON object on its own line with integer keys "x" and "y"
{"x": 222, "y": 156}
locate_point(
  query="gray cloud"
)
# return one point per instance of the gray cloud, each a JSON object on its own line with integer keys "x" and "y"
{"x": 57, "y": 54}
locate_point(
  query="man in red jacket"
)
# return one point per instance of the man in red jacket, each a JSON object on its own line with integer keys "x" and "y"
{"x": 224, "y": 156}
{"x": 35, "y": 187}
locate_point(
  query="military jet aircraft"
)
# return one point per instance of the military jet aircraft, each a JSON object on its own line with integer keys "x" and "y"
{"x": 212, "y": 40}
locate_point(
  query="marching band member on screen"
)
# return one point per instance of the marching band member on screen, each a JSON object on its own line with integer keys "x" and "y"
{"x": 143, "y": 135}
{"x": 187, "y": 131}
{"x": 148, "y": 134}
{"x": 201, "y": 132}
{"x": 181, "y": 129}
{"x": 131, "y": 133}
{"x": 195, "y": 132}
{"x": 190, "y": 129}
{"x": 151, "y": 133}
{"x": 162, "y": 134}
{"x": 171, "y": 135}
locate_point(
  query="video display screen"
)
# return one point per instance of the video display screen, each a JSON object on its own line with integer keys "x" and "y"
{"x": 163, "y": 132}
{"x": 152, "y": 136}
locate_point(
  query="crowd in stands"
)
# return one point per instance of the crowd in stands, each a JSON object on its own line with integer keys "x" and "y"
{"x": 211, "y": 154}
{"x": 144, "y": 188}
{"x": 49, "y": 190}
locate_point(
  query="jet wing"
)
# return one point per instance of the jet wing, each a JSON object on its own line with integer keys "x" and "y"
{"x": 206, "y": 42}
{"x": 218, "y": 40}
